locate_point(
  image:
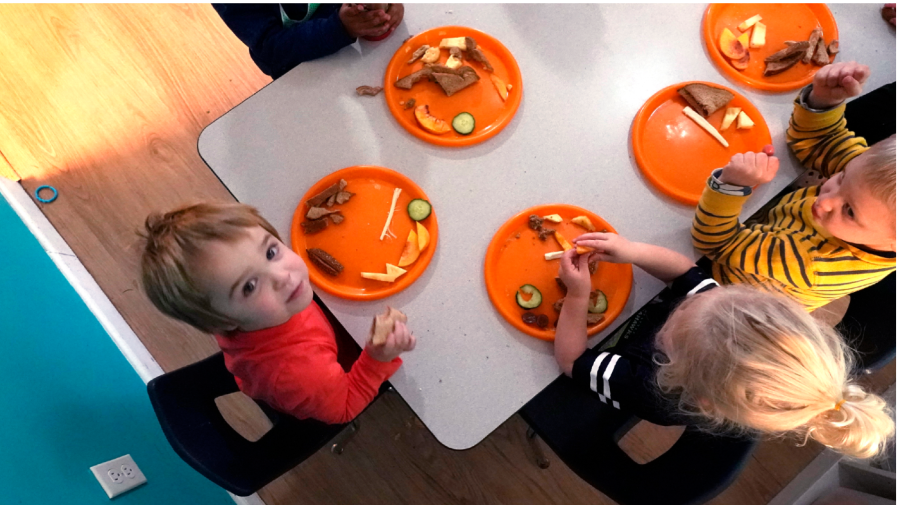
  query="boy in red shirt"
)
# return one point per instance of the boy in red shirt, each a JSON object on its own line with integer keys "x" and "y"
{"x": 223, "y": 269}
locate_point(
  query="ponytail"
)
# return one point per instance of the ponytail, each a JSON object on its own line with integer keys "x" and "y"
{"x": 747, "y": 360}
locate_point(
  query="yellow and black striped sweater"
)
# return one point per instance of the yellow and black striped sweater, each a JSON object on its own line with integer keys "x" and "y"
{"x": 789, "y": 252}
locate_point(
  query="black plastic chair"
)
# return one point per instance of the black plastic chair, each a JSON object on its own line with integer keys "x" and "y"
{"x": 584, "y": 433}
{"x": 184, "y": 401}
{"x": 869, "y": 325}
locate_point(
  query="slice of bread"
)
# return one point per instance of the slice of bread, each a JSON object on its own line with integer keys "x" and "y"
{"x": 705, "y": 99}
{"x": 383, "y": 325}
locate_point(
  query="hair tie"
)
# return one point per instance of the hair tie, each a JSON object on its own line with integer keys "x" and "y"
{"x": 838, "y": 406}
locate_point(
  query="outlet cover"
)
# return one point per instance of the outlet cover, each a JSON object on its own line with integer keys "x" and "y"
{"x": 119, "y": 475}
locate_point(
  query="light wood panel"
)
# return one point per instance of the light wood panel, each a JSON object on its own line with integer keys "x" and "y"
{"x": 105, "y": 102}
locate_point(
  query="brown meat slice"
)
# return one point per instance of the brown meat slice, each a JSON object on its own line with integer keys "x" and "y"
{"x": 833, "y": 48}
{"x": 368, "y": 90}
{"x": 477, "y": 55}
{"x": 313, "y": 227}
{"x": 337, "y": 218}
{"x": 343, "y": 197}
{"x": 324, "y": 261}
{"x": 322, "y": 197}
{"x": 821, "y": 57}
{"x": 558, "y": 304}
{"x": 797, "y": 48}
{"x": 418, "y": 53}
{"x": 409, "y": 104}
{"x": 470, "y": 44}
{"x": 408, "y": 81}
{"x": 561, "y": 285}
{"x": 776, "y": 67}
{"x": 592, "y": 319}
{"x": 593, "y": 266}
{"x": 454, "y": 51}
{"x": 816, "y": 35}
{"x": 331, "y": 201}
{"x": 452, "y": 83}
{"x": 318, "y": 213}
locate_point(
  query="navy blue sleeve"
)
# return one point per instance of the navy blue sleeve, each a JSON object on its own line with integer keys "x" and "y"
{"x": 692, "y": 282}
{"x": 277, "y": 49}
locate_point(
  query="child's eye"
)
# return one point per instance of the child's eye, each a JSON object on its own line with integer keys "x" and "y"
{"x": 848, "y": 211}
{"x": 249, "y": 287}
{"x": 272, "y": 252}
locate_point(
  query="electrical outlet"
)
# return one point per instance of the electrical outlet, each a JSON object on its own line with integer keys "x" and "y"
{"x": 119, "y": 475}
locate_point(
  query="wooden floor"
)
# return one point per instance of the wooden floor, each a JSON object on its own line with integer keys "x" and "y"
{"x": 105, "y": 102}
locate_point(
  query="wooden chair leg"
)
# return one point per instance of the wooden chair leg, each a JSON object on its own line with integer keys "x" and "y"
{"x": 344, "y": 437}
{"x": 536, "y": 450}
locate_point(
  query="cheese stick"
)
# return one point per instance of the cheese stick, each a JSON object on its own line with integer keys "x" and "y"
{"x": 705, "y": 125}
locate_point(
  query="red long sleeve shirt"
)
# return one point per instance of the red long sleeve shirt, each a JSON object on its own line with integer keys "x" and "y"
{"x": 293, "y": 368}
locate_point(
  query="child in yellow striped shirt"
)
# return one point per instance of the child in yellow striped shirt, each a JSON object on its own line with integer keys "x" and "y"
{"x": 818, "y": 243}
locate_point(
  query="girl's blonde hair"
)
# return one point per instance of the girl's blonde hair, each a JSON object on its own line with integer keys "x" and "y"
{"x": 746, "y": 359}
{"x": 173, "y": 239}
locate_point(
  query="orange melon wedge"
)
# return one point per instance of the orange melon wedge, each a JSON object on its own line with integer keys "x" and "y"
{"x": 423, "y": 237}
{"x": 411, "y": 251}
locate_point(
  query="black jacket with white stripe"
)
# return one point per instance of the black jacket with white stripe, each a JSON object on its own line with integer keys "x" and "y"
{"x": 621, "y": 370}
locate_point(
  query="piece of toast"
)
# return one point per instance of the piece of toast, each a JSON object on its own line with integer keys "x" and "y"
{"x": 705, "y": 99}
{"x": 383, "y": 325}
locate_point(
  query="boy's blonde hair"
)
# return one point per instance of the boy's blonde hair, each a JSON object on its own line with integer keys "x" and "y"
{"x": 173, "y": 239}
{"x": 879, "y": 170}
{"x": 744, "y": 358}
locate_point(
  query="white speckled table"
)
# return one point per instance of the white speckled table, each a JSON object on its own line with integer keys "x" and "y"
{"x": 586, "y": 70}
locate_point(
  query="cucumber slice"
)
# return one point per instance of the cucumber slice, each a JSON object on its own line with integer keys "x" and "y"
{"x": 463, "y": 123}
{"x": 418, "y": 209}
{"x": 597, "y": 302}
{"x": 536, "y": 297}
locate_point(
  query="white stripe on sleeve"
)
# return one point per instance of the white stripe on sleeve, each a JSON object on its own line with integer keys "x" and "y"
{"x": 593, "y": 373}
{"x": 607, "y": 375}
{"x": 701, "y": 285}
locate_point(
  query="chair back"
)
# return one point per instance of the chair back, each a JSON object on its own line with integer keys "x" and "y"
{"x": 869, "y": 324}
{"x": 184, "y": 402}
{"x": 584, "y": 432}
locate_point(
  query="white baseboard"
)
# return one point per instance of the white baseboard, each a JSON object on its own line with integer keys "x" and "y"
{"x": 85, "y": 285}
{"x": 252, "y": 499}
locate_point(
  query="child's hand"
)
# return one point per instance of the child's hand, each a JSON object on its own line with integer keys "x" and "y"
{"x": 574, "y": 273}
{"x": 361, "y": 23}
{"x": 400, "y": 340}
{"x": 888, "y": 13}
{"x": 834, "y": 83}
{"x": 751, "y": 169}
{"x": 609, "y": 247}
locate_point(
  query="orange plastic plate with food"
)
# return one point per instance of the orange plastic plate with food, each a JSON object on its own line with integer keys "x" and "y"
{"x": 783, "y": 22}
{"x": 482, "y": 99}
{"x": 676, "y": 155}
{"x": 356, "y": 243}
{"x": 516, "y": 256}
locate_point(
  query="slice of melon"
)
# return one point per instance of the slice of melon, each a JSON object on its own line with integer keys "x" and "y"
{"x": 741, "y": 63}
{"x": 429, "y": 122}
{"x": 411, "y": 251}
{"x": 500, "y": 86}
{"x": 730, "y": 45}
{"x": 563, "y": 241}
{"x": 423, "y": 236}
{"x": 584, "y": 222}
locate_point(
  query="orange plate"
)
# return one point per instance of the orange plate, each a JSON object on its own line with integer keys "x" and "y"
{"x": 676, "y": 154}
{"x": 784, "y": 22}
{"x": 356, "y": 241}
{"x": 480, "y": 99}
{"x": 515, "y": 257}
